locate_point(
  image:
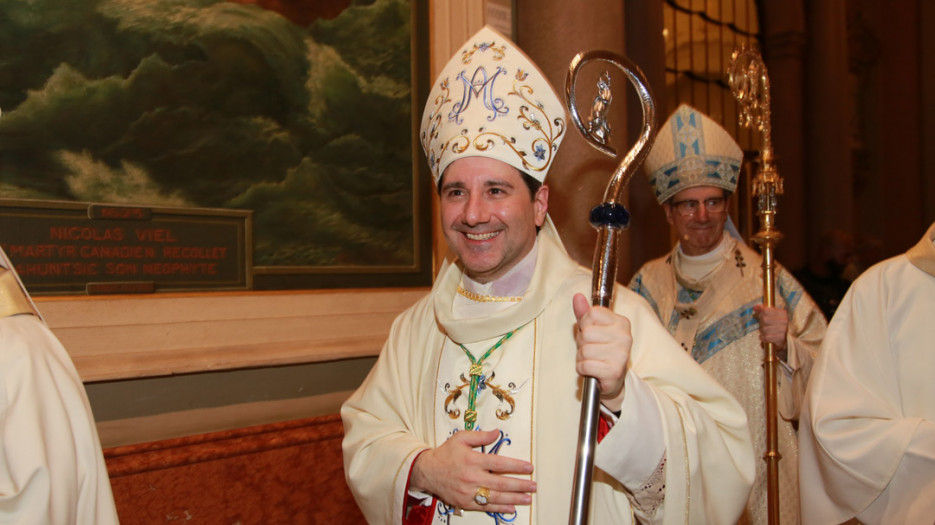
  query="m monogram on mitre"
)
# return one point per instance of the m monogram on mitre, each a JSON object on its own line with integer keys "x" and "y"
{"x": 490, "y": 100}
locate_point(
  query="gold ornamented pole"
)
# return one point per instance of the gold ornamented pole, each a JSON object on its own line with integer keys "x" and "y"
{"x": 749, "y": 82}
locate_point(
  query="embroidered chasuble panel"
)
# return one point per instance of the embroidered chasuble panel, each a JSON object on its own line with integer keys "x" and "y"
{"x": 704, "y": 322}
{"x": 726, "y": 342}
{"x": 712, "y": 332}
{"x": 739, "y": 368}
{"x": 713, "y": 319}
{"x": 504, "y": 398}
{"x": 718, "y": 327}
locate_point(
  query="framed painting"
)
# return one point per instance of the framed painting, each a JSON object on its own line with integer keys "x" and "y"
{"x": 301, "y": 114}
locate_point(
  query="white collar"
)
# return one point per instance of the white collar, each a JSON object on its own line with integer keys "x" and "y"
{"x": 476, "y": 299}
{"x": 695, "y": 268}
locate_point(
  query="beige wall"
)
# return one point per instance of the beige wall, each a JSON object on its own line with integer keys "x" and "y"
{"x": 179, "y": 364}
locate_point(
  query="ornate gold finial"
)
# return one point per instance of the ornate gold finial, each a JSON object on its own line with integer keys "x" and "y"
{"x": 749, "y": 82}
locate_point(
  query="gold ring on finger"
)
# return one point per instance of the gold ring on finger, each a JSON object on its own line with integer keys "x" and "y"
{"x": 482, "y": 496}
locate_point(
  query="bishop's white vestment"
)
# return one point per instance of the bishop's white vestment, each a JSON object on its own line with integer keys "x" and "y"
{"x": 415, "y": 399}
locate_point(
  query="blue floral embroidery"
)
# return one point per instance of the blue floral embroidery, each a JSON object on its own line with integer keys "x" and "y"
{"x": 540, "y": 152}
{"x": 495, "y": 449}
{"x": 444, "y": 511}
{"x": 725, "y": 331}
{"x": 637, "y": 286}
{"x": 789, "y": 290}
{"x": 502, "y": 518}
{"x": 688, "y": 296}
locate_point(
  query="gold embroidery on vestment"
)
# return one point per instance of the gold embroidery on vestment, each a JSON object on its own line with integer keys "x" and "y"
{"x": 480, "y": 298}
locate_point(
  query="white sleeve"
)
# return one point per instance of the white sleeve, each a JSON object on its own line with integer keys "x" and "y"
{"x": 635, "y": 445}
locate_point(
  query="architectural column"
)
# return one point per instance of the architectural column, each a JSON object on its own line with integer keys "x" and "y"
{"x": 783, "y": 32}
{"x": 927, "y": 70}
{"x": 650, "y": 234}
{"x": 890, "y": 104}
{"x": 552, "y": 32}
{"x": 828, "y": 168}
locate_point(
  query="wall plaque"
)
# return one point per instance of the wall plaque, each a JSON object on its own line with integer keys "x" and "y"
{"x": 71, "y": 247}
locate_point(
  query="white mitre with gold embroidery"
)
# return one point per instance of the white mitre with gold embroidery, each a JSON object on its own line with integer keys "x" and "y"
{"x": 692, "y": 150}
{"x": 490, "y": 100}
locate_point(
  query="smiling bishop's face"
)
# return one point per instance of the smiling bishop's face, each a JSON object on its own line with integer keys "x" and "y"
{"x": 488, "y": 215}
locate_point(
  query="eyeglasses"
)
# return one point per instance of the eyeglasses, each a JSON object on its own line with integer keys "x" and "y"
{"x": 690, "y": 207}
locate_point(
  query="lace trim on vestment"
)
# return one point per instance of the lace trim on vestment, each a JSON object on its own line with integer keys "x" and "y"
{"x": 651, "y": 494}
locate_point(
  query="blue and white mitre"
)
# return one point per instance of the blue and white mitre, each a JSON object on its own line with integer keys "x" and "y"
{"x": 490, "y": 100}
{"x": 692, "y": 150}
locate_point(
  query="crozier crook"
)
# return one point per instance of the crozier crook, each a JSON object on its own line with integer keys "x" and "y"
{"x": 610, "y": 218}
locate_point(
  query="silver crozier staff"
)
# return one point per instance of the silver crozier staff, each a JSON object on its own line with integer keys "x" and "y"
{"x": 610, "y": 218}
{"x": 749, "y": 82}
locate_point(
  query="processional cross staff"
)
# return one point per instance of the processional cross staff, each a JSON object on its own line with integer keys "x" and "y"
{"x": 749, "y": 82}
{"x": 610, "y": 218}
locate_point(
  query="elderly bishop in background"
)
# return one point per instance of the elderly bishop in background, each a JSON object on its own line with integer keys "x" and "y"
{"x": 708, "y": 292}
{"x": 471, "y": 412}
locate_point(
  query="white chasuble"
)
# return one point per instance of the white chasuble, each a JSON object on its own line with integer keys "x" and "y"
{"x": 701, "y": 438}
{"x": 504, "y": 401}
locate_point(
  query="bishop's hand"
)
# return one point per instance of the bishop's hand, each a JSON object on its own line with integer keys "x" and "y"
{"x": 604, "y": 340}
{"x": 774, "y": 324}
{"x": 455, "y": 471}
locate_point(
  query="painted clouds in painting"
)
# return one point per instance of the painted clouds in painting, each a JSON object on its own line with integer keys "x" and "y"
{"x": 218, "y": 104}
